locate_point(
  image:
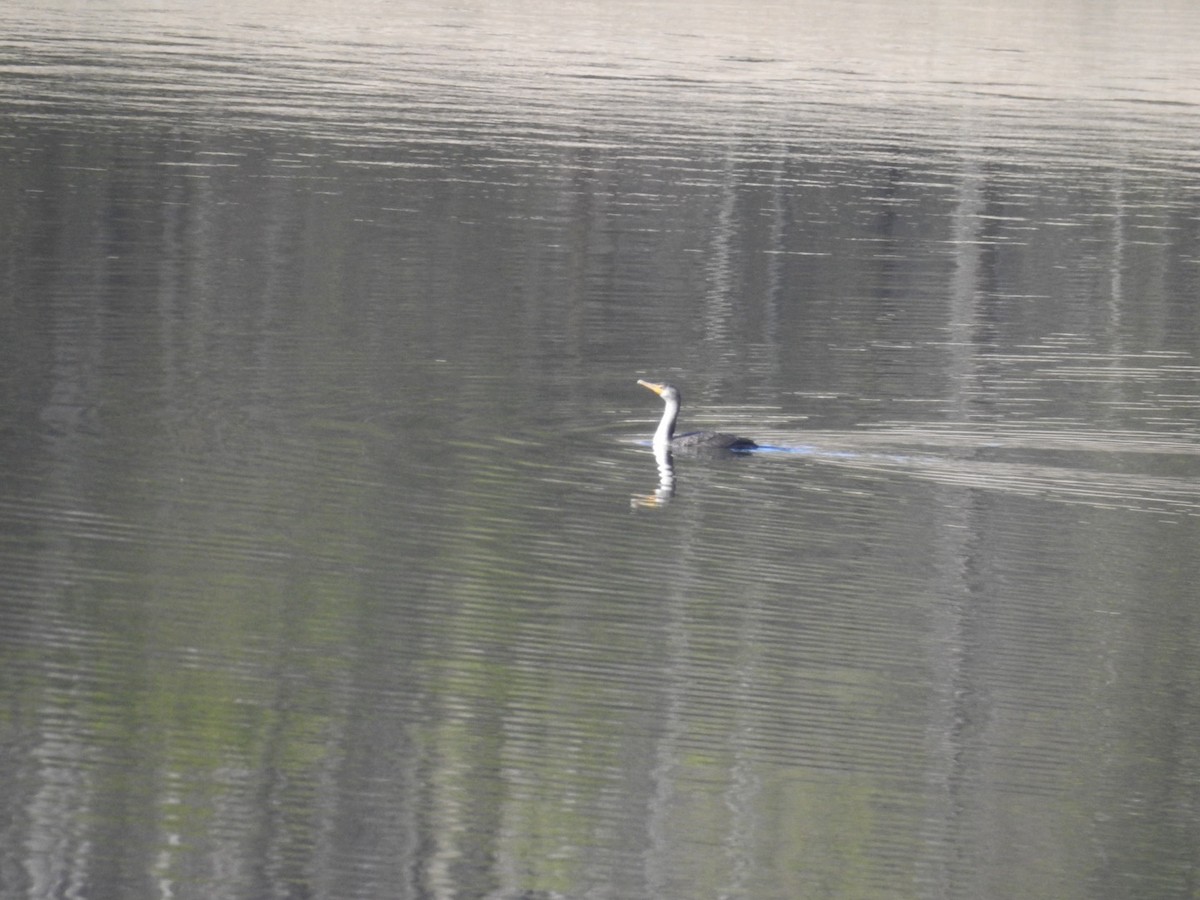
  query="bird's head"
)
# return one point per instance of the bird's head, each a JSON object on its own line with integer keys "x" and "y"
{"x": 668, "y": 392}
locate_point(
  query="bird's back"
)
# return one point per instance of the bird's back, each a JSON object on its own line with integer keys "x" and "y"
{"x": 711, "y": 440}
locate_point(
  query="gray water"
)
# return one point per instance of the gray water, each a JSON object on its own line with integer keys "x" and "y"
{"x": 335, "y": 562}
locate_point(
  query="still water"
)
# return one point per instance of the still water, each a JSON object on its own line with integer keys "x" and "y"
{"x": 334, "y": 559}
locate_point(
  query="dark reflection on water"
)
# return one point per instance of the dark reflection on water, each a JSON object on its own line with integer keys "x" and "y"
{"x": 320, "y": 427}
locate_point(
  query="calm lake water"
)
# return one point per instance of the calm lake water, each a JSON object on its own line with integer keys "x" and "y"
{"x": 334, "y": 559}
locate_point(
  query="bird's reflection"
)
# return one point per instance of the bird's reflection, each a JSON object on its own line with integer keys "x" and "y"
{"x": 666, "y": 481}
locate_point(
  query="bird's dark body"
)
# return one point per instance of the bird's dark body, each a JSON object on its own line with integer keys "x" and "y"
{"x": 711, "y": 440}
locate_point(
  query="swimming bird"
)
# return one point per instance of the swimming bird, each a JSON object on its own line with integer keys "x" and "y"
{"x": 665, "y": 437}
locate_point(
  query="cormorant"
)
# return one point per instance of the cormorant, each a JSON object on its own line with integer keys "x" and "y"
{"x": 665, "y": 437}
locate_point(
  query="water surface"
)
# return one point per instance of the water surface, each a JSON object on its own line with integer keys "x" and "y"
{"x": 333, "y": 558}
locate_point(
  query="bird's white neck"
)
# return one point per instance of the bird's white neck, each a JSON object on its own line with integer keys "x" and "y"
{"x": 666, "y": 426}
